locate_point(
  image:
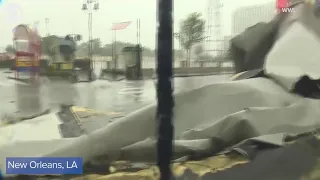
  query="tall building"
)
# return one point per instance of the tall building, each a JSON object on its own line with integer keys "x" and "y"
{"x": 245, "y": 17}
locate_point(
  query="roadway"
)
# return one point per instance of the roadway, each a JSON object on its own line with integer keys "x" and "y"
{"x": 122, "y": 96}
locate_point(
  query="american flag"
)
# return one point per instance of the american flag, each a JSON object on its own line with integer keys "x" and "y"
{"x": 120, "y": 26}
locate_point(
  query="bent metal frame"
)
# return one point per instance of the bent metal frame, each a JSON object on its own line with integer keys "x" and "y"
{"x": 27, "y": 44}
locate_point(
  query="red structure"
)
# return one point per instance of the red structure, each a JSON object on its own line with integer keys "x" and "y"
{"x": 27, "y": 44}
{"x": 280, "y": 4}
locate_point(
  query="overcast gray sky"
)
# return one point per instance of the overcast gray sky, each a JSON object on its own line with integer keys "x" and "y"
{"x": 66, "y": 17}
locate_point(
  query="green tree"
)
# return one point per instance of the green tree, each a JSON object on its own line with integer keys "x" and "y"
{"x": 178, "y": 53}
{"x": 206, "y": 57}
{"x": 46, "y": 45}
{"x": 191, "y": 32}
{"x": 198, "y": 51}
{"x": 96, "y": 46}
{"x": 10, "y": 49}
{"x": 82, "y": 50}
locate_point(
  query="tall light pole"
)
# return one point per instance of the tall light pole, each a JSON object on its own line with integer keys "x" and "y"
{"x": 90, "y": 6}
{"x": 47, "y": 24}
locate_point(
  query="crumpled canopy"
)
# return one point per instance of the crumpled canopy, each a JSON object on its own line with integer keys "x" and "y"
{"x": 261, "y": 111}
{"x": 248, "y": 49}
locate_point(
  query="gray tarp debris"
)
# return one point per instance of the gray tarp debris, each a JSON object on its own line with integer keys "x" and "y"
{"x": 248, "y": 49}
{"x": 214, "y": 116}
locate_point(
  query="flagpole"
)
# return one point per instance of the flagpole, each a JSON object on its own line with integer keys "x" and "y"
{"x": 115, "y": 27}
{"x": 112, "y": 49}
{"x": 112, "y": 46}
{"x": 115, "y": 49}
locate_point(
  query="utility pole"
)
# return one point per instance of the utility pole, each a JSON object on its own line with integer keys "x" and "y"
{"x": 138, "y": 31}
{"x": 90, "y": 6}
{"x": 47, "y": 27}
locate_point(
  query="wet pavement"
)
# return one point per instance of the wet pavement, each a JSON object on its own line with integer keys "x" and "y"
{"x": 121, "y": 96}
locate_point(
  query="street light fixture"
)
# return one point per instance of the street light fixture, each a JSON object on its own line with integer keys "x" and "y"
{"x": 90, "y": 6}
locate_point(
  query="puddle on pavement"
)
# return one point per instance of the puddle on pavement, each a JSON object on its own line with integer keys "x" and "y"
{"x": 123, "y": 96}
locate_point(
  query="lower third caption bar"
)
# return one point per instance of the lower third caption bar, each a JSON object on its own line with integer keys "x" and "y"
{"x": 43, "y": 166}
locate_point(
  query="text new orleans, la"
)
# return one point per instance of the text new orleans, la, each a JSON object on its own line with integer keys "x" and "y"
{"x": 42, "y": 165}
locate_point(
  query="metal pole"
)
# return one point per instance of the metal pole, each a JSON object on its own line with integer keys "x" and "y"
{"x": 112, "y": 50}
{"x": 165, "y": 88}
{"x": 47, "y": 23}
{"x": 137, "y": 31}
{"x": 115, "y": 49}
{"x": 88, "y": 5}
{"x": 90, "y": 38}
{"x": 180, "y": 50}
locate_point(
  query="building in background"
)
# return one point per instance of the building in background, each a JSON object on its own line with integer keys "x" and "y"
{"x": 245, "y": 17}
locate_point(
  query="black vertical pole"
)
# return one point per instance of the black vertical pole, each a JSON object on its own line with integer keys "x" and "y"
{"x": 164, "y": 88}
